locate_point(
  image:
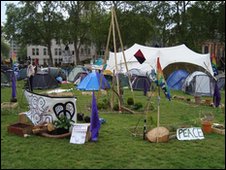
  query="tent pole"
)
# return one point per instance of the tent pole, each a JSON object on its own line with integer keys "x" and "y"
{"x": 120, "y": 39}
{"x": 116, "y": 67}
{"x": 158, "y": 113}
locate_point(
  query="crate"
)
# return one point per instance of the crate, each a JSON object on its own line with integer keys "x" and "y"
{"x": 218, "y": 130}
{"x": 20, "y": 129}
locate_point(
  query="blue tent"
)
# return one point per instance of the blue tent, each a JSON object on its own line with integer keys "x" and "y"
{"x": 91, "y": 82}
{"x": 176, "y": 79}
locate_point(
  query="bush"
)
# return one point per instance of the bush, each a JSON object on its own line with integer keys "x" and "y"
{"x": 137, "y": 106}
{"x": 116, "y": 107}
{"x": 130, "y": 101}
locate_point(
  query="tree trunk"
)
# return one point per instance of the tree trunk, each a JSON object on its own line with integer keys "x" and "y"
{"x": 50, "y": 55}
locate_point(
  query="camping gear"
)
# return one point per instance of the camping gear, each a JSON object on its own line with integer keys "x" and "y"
{"x": 176, "y": 79}
{"x": 221, "y": 81}
{"x": 167, "y": 55}
{"x": 141, "y": 83}
{"x": 199, "y": 84}
{"x": 43, "y": 80}
{"x": 78, "y": 69}
{"x": 55, "y": 72}
{"x": 92, "y": 82}
{"x": 5, "y": 81}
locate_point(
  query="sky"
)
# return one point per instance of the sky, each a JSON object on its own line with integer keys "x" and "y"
{"x": 3, "y": 9}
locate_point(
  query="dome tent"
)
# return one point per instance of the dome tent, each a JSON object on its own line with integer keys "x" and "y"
{"x": 199, "y": 83}
{"x": 176, "y": 79}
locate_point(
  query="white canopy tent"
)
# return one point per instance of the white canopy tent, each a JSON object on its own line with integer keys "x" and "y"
{"x": 167, "y": 55}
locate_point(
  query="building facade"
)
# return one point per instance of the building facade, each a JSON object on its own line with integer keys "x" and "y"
{"x": 216, "y": 48}
{"x": 60, "y": 53}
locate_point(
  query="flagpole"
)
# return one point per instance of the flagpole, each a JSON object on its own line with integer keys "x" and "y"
{"x": 158, "y": 114}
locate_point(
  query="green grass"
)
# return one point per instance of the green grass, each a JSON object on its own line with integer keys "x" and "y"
{"x": 116, "y": 147}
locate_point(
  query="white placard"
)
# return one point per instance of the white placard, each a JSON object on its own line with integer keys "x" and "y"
{"x": 190, "y": 133}
{"x": 79, "y": 131}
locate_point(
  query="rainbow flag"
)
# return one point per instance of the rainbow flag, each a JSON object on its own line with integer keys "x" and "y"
{"x": 214, "y": 64}
{"x": 161, "y": 81}
{"x": 13, "y": 57}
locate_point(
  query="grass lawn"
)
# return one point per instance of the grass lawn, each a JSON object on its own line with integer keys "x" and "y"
{"x": 116, "y": 147}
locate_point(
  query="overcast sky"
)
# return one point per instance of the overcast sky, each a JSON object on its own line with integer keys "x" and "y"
{"x": 3, "y": 9}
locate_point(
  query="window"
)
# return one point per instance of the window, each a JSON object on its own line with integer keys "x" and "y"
{"x": 82, "y": 51}
{"x": 73, "y": 52}
{"x": 37, "y": 51}
{"x": 44, "y": 51}
{"x": 55, "y": 51}
{"x": 33, "y": 51}
{"x": 206, "y": 49}
{"x": 59, "y": 51}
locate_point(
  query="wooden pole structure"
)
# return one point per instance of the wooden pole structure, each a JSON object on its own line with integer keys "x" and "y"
{"x": 116, "y": 67}
{"x": 158, "y": 116}
{"x": 120, "y": 39}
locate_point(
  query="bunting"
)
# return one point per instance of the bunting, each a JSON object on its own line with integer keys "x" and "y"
{"x": 161, "y": 81}
{"x": 214, "y": 64}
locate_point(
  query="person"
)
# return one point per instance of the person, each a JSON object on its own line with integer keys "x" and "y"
{"x": 30, "y": 75}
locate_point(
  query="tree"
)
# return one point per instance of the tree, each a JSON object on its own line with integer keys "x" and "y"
{"x": 28, "y": 25}
{"x": 78, "y": 24}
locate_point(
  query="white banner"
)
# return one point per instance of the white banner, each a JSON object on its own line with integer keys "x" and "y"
{"x": 190, "y": 133}
{"x": 45, "y": 109}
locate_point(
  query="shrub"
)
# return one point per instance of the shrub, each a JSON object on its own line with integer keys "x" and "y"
{"x": 137, "y": 106}
{"x": 130, "y": 101}
{"x": 116, "y": 107}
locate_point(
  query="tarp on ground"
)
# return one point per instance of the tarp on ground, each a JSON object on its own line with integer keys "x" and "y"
{"x": 167, "y": 56}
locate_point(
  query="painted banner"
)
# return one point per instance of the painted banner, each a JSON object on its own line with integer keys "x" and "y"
{"x": 45, "y": 109}
{"x": 190, "y": 133}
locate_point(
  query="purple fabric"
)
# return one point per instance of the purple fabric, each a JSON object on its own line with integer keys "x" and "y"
{"x": 94, "y": 123}
{"x": 216, "y": 96}
{"x": 145, "y": 88}
{"x": 13, "y": 85}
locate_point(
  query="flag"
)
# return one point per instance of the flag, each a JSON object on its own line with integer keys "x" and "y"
{"x": 139, "y": 56}
{"x": 94, "y": 122}
{"x": 13, "y": 57}
{"x": 161, "y": 81}
{"x": 216, "y": 96}
{"x": 214, "y": 64}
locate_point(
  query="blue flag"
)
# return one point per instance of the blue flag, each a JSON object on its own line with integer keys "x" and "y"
{"x": 94, "y": 122}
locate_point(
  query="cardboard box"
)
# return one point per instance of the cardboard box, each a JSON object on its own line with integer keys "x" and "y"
{"x": 20, "y": 129}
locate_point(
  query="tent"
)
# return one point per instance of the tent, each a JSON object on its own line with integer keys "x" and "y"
{"x": 176, "y": 79}
{"x": 91, "y": 82}
{"x": 221, "y": 81}
{"x": 5, "y": 80}
{"x": 167, "y": 55}
{"x": 22, "y": 74}
{"x": 44, "y": 80}
{"x": 55, "y": 72}
{"x": 199, "y": 83}
{"x": 72, "y": 75}
{"x": 141, "y": 83}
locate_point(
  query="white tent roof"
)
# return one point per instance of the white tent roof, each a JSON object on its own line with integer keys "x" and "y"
{"x": 167, "y": 55}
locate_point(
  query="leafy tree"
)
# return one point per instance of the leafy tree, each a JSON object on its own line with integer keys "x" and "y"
{"x": 28, "y": 25}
